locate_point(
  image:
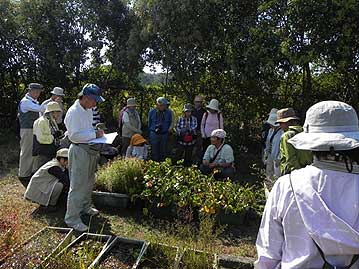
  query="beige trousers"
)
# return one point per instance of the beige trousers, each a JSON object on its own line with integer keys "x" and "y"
{"x": 56, "y": 193}
{"x": 26, "y": 159}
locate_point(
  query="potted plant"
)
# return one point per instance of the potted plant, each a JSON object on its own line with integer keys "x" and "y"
{"x": 121, "y": 253}
{"x": 39, "y": 248}
{"x": 117, "y": 182}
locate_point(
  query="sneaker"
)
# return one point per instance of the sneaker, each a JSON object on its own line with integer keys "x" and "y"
{"x": 91, "y": 211}
{"x": 80, "y": 227}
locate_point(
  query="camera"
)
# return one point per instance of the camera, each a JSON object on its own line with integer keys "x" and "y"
{"x": 158, "y": 129}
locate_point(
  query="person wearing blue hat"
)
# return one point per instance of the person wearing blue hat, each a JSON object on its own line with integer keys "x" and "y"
{"x": 82, "y": 156}
{"x": 159, "y": 123}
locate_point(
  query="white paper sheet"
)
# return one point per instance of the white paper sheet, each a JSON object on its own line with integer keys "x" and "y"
{"x": 106, "y": 139}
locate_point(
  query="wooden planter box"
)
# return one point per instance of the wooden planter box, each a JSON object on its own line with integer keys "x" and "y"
{"x": 42, "y": 251}
{"x": 124, "y": 247}
{"x": 161, "y": 256}
{"x": 109, "y": 199}
{"x": 103, "y": 240}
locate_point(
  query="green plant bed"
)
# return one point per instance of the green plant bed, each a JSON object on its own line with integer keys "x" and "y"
{"x": 198, "y": 259}
{"x": 39, "y": 248}
{"x": 108, "y": 199}
{"x": 82, "y": 252}
{"x": 160, "y": 256}
{"x": 122, "y": 253}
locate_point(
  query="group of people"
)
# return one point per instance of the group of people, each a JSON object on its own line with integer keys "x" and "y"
{"x": 58, "y": 159}
{"x": 200, "y": 137}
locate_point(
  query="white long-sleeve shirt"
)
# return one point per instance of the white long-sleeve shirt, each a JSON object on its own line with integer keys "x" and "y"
{"x": 327, "y": 209}
{"x": 78, "y": 122}
{"x": 30, "y": 104}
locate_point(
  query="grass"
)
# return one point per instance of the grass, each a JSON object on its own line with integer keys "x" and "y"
{"x": 20, "y": 219}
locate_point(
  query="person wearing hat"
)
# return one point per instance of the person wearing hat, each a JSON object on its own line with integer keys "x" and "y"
{"x": 265, "y": 129}
{"x": 159, "y": 123}
{"x": 50, "y": 181}
{"x": 198, "y": 112}
{"x": 310, "y": 219}
{"x": 218, "y": 159}
{"x": 57, "y": 96}
{"x": 82, "y": 156}
{"x": 138, "y": 148}
{"x": 271, "y": 152}
{"x": 28, "y": 111}
{"x": 129, "y": 123}
{"x": 186, "y": 130}
{"x": 291, "y": 158}
{"x": 46, "y": 135}
{"x": 212, "y": 119}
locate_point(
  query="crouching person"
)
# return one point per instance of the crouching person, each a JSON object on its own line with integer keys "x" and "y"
{"x": 50, "y": 181}
{"x": 218, "y": 158}
{"x": 138, "y": 148}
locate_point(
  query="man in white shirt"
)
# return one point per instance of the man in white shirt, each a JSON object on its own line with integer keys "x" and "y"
{"x": 28, "y": 112}
{"x": 311, "y": 218}
{"x": 82, "y": 156}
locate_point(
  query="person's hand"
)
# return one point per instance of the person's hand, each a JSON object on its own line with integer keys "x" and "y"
{"x": 212, "y": 165}
{"x": 100, "y": 133}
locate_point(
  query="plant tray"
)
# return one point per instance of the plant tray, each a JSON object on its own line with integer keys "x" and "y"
{"x": 109, "y": 199}
{"x": 231, "y": 262}
{"x": 122, "y": 253}
{"x": 81, "y": 252}
{"x": 198, "y": 259}
{"x": 160, "y": 256}
{"x": 40, "y": 247}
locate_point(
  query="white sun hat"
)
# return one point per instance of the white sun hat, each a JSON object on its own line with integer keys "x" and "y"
{"x": 272, "y": 119}
{"x": 213, "y": 104}
{"x": 329, "y": 124}
{"x": 58, "y": 91}
{"x": 220, "y": 133}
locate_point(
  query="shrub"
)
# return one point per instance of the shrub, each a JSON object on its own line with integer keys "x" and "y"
{"x": 121, "y": 176}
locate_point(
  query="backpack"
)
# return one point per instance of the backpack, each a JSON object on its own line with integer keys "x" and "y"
{"x": 218, "y": 116}
{"x": 120, "y": 122}
{"x": 326, "y": 265}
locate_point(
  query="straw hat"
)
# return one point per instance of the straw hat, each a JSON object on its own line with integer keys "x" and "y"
{"x": 286, "y": 114}
{"x": 64, "y": 153}
{"x": 213, "y": 104}
{"x": 52, "y": 107}
{"x": 329, "y": 124}
{"x": 58, "y": 91}
{"x": 137, "y": 139}
{"x": 220, "y": 133}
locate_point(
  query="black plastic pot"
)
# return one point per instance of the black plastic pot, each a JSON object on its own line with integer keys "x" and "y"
{"x": 126, "y": 243}
{"x": 109, "y": 199}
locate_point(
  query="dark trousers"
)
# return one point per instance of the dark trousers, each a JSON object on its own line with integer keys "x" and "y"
{"x": 205, "y": 144}
{"x": 223, "y": 173}
{"x": 125, "y": 142}
{"x": 185, "y": 152}
{"x": 158, "y": 146}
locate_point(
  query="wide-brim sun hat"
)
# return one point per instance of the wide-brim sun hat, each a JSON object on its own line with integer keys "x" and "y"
{"x": 137, "y": 139}
{"x": 58, "y": 91}
{"x": 272, "y": 120}
{"x": 214, "y": 105}
{"x": 273, "y": 111}
{"x": 53, "y": 107}
{"x": 329, "y": 125}
{"x": 131, "y": 102}
{"x": 286, "y": 114}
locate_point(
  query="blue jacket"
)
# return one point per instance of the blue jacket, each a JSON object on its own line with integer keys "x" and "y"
{"x": 159, "y": 120}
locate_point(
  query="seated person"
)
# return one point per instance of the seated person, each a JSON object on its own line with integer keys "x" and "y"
{"x": 50, "y": 181}
{"x": 218, "y": 158}
{"x": 46, "y": 139}
{"x": 138, "y": 148}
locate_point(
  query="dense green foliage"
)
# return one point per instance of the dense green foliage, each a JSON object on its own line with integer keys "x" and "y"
{"x": 251, "y": 55}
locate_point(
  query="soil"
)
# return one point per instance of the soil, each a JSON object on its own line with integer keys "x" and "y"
{"x": 121, "y": 256}
{"x": 159, "y": 256}
{"x": 32, "y": 253}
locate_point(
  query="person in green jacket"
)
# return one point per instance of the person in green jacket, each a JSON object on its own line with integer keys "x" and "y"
{"x": 291, "y": 158}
